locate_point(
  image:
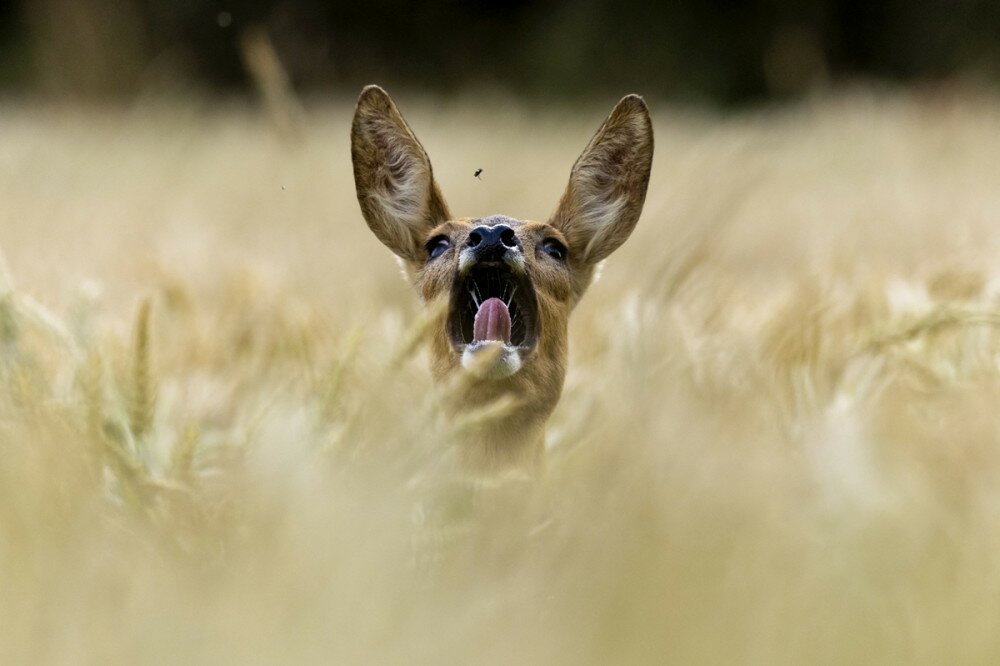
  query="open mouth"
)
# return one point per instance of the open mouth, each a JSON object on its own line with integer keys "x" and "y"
{"x": 493, "y": 304}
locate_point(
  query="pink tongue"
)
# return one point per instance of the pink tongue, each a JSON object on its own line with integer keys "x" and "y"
{"x": 492, "y": 321}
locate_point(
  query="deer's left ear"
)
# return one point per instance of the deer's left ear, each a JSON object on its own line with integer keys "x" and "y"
{"x": 607, "y": 185}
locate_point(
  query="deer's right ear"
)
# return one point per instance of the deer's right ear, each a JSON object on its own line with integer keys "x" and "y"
{"x": 399, "y": 198}
{"x": 607, "y": 185}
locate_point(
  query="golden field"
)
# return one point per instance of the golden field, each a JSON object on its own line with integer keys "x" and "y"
{"x": 779, "y": 440}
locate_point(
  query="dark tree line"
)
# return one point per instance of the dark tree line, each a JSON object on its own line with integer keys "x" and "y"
{"x": 718, "y": 51}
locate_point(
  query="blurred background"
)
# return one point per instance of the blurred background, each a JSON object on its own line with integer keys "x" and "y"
{"x": 720, "y": 53}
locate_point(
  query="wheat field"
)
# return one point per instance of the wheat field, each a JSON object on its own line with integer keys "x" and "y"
{"x": 779, "y": 440}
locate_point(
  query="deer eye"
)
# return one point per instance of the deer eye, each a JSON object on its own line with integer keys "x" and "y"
{"x": 554, "y": 249}
{"x": 437, "y": 246}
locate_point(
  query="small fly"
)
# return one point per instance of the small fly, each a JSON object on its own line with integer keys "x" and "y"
{"x": 478, "y": 173}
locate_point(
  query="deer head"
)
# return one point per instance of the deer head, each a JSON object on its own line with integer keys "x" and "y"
{"x": 509, "y": 285}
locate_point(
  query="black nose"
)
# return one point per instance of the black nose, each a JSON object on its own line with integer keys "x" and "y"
{"x": 492, "y": 243}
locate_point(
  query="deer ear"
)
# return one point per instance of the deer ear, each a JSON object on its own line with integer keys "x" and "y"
{"x": 399, "y": 199}
{"x": 607, "y": 185}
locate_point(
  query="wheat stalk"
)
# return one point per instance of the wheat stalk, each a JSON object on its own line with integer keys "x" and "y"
{"x": 142, "y": 403}
{"x": 933, "y": 322}
{"x": 182, "y": 455}
{"x": 92, "y": 386}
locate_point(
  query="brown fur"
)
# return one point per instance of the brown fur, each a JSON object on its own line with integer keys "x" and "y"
{"x": 404, "y": 208}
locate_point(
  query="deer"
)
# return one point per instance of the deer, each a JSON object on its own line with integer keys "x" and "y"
{"x": 504, "y": 287}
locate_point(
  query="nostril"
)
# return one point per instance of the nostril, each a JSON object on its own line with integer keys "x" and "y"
{"x": 475, "y": 238}
{"x": 508, "y": 238}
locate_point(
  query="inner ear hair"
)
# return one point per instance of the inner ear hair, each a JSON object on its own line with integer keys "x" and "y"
{"x": 608, "y": 182}
{"x": 395, "y": 183}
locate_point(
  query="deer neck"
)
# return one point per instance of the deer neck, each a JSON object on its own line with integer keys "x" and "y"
{"x": 503, "y": 446}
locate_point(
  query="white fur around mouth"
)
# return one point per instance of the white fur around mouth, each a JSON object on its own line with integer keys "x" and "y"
{"x": 491, "y": 359}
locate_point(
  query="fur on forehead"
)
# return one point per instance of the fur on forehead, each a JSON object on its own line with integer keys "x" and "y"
{"x": 494, "y": 220}
{"x": 469, "y": 223}
{"x": 487, "y": 221}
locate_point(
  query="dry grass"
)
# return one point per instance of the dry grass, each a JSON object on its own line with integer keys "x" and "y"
{"x": 779, "y": 440}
